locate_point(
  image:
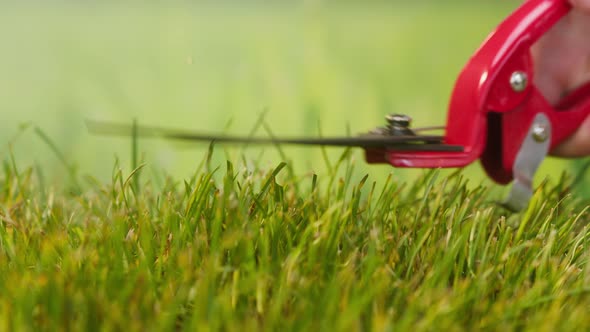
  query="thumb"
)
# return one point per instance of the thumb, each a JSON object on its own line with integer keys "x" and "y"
{"x": 578, "y": 145}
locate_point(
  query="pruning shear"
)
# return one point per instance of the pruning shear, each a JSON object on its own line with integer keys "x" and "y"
{"x": 496, "y": 114}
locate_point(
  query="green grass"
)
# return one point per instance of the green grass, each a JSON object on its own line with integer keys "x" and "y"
{"x": 259, "y": 249}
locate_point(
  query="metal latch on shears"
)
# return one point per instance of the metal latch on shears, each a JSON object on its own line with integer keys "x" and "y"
{"x": 496, "y": 113}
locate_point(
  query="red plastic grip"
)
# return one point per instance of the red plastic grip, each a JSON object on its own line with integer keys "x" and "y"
{"x": 487, "y": 116}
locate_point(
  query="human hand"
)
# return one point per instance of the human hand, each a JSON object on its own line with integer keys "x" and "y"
{"x": 562, "y": 63}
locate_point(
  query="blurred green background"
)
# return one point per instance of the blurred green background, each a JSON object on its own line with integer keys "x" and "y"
{"x": 336, "y": 66}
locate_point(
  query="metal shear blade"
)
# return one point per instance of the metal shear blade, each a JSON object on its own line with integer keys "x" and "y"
{"x": 400, "y": 142}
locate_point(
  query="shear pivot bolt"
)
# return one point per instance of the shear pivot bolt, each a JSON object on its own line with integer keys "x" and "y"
{"x": 399, "y": 125}
{"x": 398, "y": 120}
{"x": 518, "y": 81}
{"x": 540, "y": 134}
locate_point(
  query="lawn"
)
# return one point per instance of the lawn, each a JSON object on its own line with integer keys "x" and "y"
{"x": 97, "y": 236}
{"x": 260, "y": 249}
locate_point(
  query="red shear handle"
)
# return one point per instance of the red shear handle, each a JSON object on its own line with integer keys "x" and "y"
{"x": 564, "y": 120}
{"x": 511, "y": 52}
{"x": 569, "y": 114}
{"x": 575, "y": 98}
{"x": 484, "y": 85}
{"x": 486, "y": 89}
{"x": 519, "y": 104}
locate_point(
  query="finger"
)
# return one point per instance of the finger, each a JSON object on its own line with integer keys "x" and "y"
{"x": 578, "y": 145}
{"x": 550, "y": 87}
{"x": 553, "y": 60}
{"x": 583, "y": 5}
{"x": 562, "y": 57}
